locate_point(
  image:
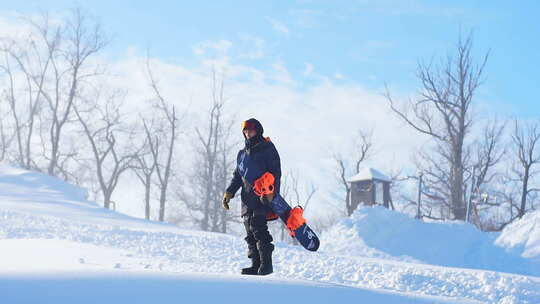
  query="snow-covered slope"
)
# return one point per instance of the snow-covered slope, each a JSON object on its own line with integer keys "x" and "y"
{"x": 55, "y": 247}
{"x": 381, "y": 233}
{"x": 42, "y": 195}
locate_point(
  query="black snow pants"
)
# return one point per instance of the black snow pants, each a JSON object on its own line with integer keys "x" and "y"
{"x": 258, "y": 237}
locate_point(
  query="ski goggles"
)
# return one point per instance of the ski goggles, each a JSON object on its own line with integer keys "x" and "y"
{"x": 248, "y": 125}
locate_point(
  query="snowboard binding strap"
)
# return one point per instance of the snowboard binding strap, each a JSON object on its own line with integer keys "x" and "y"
{"x": 264, "y": 185}
{"x": 295, "y": 220}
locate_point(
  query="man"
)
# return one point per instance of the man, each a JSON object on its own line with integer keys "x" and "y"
{"x": 254, "y": 212}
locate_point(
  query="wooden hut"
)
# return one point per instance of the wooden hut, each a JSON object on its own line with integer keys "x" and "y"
{"x": 370, "y": 187}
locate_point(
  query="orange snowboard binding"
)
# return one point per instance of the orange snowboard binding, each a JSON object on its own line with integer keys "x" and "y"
{"x": 295, "y": 220}
{"x": 264, "y": 185}
{"x": 264, "y": 188}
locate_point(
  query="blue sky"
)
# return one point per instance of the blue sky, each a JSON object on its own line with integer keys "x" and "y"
{"x": 368, "y": 43}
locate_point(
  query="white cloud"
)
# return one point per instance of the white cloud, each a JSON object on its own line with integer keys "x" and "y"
{"x": 339, "y": 76}
{"x": 308, "y": 70}
{"x": 253, "y": 47}
{"x": 278, "y": 26}
{"x": 219, "y": 48}
{"x": 410, "y": 8}
{"x": 281, "y": 74}
{"x": 307, "y": 18}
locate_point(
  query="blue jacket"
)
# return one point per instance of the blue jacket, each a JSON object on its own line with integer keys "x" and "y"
{"x": 267, "y": 158}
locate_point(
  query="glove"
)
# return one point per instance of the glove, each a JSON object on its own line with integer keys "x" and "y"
{"x": 266, "y": 199}
{"x": 226, "y": 199}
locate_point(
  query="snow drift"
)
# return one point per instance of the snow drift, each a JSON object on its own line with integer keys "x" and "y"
{"x": 377, "y": 232}
{"x": 522, "y": 237}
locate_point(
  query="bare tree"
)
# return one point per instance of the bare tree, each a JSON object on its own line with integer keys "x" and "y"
{"x": 526, "y": 140}
{"x": 487, "y": 154}
{"x": 225, "y": 166}
{"x": 480, "y": 159}
{"x": 443, "y": 112}
{"x": 102, "y": 126}
{"x": 5, "y": 140}
{"x": 510, "y": 195}
{"x": 300, "y": 196}
{"x": 213, "y": 163}
{"x": 55, "y": 64}
{"x": 506, "y": 196}
{"x": 47, "y": 71}
{"x": 435, "y": 185}
{"x": 145, "y": 165}
{"x": 25, "y": 67}
{"x": 162, "y": 141}
{"x": 83, "y": 39}
{"x": 362, "y": 151}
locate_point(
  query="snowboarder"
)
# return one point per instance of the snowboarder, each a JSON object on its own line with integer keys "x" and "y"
{"x": 254, "y": 212}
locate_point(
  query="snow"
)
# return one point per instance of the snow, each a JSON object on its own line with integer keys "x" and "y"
{"x": 369, "y": 174}
{"x": 39, "y": 194}
{"x": 523, "y": 236}
{"x": 140, "y": 287}
{"x": 381, "y": 233}
{"x": 56, "y": 247}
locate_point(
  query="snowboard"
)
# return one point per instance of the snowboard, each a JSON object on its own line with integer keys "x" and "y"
{"x": 262, "y": 184}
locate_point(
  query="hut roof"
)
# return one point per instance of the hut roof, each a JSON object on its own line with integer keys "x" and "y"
{"x": 369, "y": 174}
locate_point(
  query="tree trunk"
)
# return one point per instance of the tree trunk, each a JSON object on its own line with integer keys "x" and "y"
{"x": 107, "y": 199}
{"x": 350, "y": 208}
{"x": 147, "y": 197}
{"x": 162, "y": 200}
{"x": 524, "y": 191}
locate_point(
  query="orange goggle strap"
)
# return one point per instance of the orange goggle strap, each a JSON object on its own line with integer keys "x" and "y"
{"x": 295, "y": 220}
{"x": 264, "y": 185}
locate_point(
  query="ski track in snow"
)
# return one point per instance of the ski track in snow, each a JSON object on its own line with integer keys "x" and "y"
{"x": 200, "y": 252}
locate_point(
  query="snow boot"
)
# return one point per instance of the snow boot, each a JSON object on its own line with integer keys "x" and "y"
{"x": 255, "y": 263}
{"x": 265, "y": 251}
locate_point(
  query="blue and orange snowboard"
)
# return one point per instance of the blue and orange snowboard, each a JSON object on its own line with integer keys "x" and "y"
{"x": 263, "y": 185}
